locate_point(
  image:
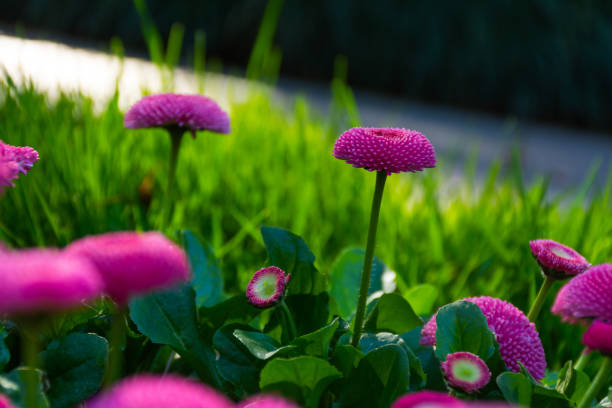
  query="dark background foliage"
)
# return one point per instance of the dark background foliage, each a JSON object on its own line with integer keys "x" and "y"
{"x": 531, "y": 58}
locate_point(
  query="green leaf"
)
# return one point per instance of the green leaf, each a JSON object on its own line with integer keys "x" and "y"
{"x": 207, "y": 277}
{"x": 461, "y": 326}
{"x": 422, "y": 298}
{"x": 303, "y": 379}
{"x": 381, "y": 376}
{"x": 261, "y": 345}
{"x": 572, "y": 383}
{"x": 515, "y": 387}
{"x": 5, "y": 353}
{"x": 233, "y": 310}
{"x": 290, "y": 253}
{"x": 75, "y": 366}
{"x": 236, "y": 364}
{"x": 345, "y": 279}
{"x": 317, "y": 343}
{"x": 309, "y": 311}
{"x": 346, "y": 358}
{"x": 392, "y": 313}
{"x": 13, "y": 386}
{"x": 169, "y": 317}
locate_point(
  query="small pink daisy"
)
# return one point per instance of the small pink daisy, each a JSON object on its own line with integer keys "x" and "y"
{"x": 598, "y": 337}
{"x": 587, "y": 296}
{"x": 14, "y": 160}
{"x": 267, "y": 401}
{"x": 385, "y": 149}
{"x": 556, "y": 260}
{"x": 160, "y": 392}
{"x": 267, "y": 287}
{"x": 133, "y": 263}
{"x": 517, "y": 337}
{"x": 466, "y": 371}
{"x": 190, "y": 112}
{"x": 41, "y": 280}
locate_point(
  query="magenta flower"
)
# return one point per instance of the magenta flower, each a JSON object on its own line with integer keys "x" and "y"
{"x": 556, "y": 260}
{"x": 267, "y": 401}
{"x": 466, "y": 371}
{"x": 428, "y": 399}
{"x": 14, "y": 160}
{"x": 517, "y": 337}
{"x": 587, "y": 296}
{"x": 385, "y": 149}
{"x": 5, "y": 402}
{"x": 132, "y": 263}
{"x": 597, "y": 337}
{"x": 37, "y": 280}
{"x": 191, "y": 112}
{"x": 267, "y": 287}
{"x": 160, "y": 392}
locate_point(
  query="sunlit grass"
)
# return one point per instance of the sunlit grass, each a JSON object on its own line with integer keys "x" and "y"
{"x": 276, "y": 168}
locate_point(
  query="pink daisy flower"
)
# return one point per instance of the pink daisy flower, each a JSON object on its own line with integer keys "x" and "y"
{"x": 466, "y": 371}
{"x": 587, "y": 296}
{"x": 267, "y": 401}
{"x": 556, "y": 260}
{"x": 38, "y": 280}
{"x": 517, "y": 337}
{"x": 191, "y": 112}
{"x": 385, "y": 149}
{"x": 428, "y": 399}
{"x": 267, "y": 287}
{"x": 14, "y": 160}
{"x": 132, "y": 263}
{"x": 160, "y": 392}
{"x": 597, "y": 337}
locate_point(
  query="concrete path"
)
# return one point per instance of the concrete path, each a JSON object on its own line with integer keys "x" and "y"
{"x": 564, "y": 154}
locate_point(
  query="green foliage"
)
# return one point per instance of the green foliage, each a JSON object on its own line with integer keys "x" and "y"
{"x": 13, "y": 386}
{"x": 517, "y": 388}
{"x": 572, "y": 383}
{"x": 392, "y": 313}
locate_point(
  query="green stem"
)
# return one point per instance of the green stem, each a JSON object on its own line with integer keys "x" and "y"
{"x": 583, "y": 360}
{"x": 176, "y": 136}
{"x": 381, "y": 177}
{"x": 603, "y": 377}
{"x": 30, "y": 348}
{"x": 292, "y": 329}
{"x": 117, "y": 336}
{"x": 539, "y": 300}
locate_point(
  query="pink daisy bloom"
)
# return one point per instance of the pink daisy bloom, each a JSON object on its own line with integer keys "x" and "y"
{"x": 38, "y": 280}
{"x": 267, "y": 401}
{"x": 587, "y": 296}
{"x": 14, "y": 160}
{"x": 190, "y": 112}
{"x": 556, "y": 260}
{"x": 517, "y": 337}
{"x": 466, "y": 371}
{"x": 597, "y": 337}
{"x": 160, "y": 392}
{"x": 385, "y": 149}
{"x": 267, "y": 287}
{"x": 428, "y": 399}
{"x": 132, "y": 263}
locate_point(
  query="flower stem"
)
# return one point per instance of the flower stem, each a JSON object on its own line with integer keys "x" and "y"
{"x": 583, "y": 360}
{"x": 603, "y": 376}
{"x": 292, "y": 329}
{"x": 176, "y": 136}
{"x": 381, "y": 177}
{"x": 115, "y": 360}
{"x": 30, "y": 348}
{"x": 540, "y": 298}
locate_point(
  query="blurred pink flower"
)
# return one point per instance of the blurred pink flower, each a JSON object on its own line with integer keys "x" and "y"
{"x": 556, "y": 260}
{"x": 14, "y": 160}
{"x": 5, "y": 402}
{"x": 598, "y": 337}
{"x": 267, "y": 286}
{"x": 466, "y": 371}
{"x": 39, "y": 280}
{"x": 150, "y": 391}
{"x": 587, "y": 296}
{"x": 191, "y": 112}
{"x": 267, "y": 401}
{"x": 428, "y": 399}
{"x": 517, "y": 337}
{"x": 385, "y": 149}
{"x": 132, "y": 263}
